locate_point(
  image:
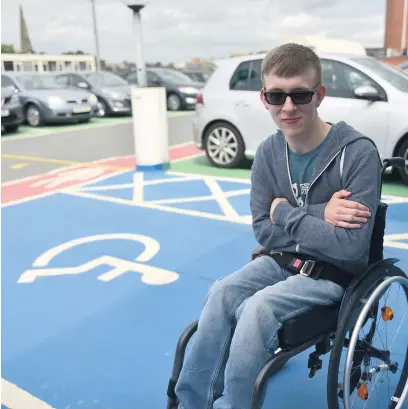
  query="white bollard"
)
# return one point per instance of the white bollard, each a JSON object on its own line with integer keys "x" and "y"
{"x": 150, "y": 128}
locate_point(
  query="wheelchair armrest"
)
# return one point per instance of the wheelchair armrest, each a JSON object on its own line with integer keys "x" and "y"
{"x": 256, "y": 252}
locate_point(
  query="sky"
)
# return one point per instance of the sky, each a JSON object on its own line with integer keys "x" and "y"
{"x": 179, "y": 30}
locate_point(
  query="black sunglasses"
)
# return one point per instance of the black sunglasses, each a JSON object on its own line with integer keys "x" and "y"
{"x": 300, "y": 97}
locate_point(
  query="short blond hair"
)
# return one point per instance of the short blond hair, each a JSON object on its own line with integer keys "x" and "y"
{"x": 289, "y": 60}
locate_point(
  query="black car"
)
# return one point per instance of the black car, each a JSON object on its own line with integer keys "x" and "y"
{"x": 112, "y": 91}
{"x": 11, "y": 110}
{"x": 181, "y": 90}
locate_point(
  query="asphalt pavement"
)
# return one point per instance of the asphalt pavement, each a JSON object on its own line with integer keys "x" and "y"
{"x": 40, "y": 154}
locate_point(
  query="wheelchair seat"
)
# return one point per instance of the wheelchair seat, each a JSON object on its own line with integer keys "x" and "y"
{"x": 310, "y": 324}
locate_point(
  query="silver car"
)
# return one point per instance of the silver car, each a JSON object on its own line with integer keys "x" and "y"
{"x": 45, "y": 101}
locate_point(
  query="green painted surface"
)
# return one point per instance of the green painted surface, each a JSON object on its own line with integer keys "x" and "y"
{"x": 30, "y": 132}
{"x": 200, "y": 165}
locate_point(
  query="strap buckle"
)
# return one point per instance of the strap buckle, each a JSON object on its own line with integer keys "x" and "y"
{"x": 307, "y": 268}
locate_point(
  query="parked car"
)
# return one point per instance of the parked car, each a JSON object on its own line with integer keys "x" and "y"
{"x": 404, "y": 67}
{"x": 45, "y": 101}
{"x": 231, "y": 121}
{"x": 11, "y": 109}
{"x": 198, "y": 76}
{"x": 112, "y": 91}
{"x": 181, "y": 90}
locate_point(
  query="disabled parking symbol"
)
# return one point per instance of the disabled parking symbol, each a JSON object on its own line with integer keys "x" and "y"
{"x": 149, "y": 274}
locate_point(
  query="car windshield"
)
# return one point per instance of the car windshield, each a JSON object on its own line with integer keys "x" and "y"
{"x": 385, "y": 71}
{"x": 105, "y": 79}
{"x": 38, "y": 81}
{"x": 174, "y": 77}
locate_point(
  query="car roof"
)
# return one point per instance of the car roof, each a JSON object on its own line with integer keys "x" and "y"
{"x": 250, "y": 57}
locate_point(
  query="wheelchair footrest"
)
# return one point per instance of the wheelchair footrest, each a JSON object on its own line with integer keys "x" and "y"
{"x": 314, "y": 364}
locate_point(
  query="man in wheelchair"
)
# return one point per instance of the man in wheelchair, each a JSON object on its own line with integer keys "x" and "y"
{"x": 315, "y": 191}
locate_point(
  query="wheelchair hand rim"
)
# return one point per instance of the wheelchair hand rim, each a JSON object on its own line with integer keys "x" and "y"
{"x": 354, "y": 338}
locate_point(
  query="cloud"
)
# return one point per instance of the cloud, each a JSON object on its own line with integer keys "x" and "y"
{"x": 182, "y": 29}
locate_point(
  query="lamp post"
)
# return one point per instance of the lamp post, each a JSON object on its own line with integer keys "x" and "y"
{"x": 136, "y": 7}
{"x": 95, "y": 28}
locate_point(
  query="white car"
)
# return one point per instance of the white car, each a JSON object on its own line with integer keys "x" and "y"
{"x": 231, "y": 122}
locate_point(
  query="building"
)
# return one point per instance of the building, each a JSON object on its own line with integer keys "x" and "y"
{"x": 396, "y": 28}
{"x": 47, "y": 62}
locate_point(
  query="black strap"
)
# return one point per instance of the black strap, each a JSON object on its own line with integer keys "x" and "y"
{"x": 301, "y": 264}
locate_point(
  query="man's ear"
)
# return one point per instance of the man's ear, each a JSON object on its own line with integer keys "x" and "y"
{"x": 262, "y": 97}
{"x": 321, "y": 93}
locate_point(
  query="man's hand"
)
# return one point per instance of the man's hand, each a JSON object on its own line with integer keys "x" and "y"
{"x": 274, "y": 204}
{"x": 345, "y": 213}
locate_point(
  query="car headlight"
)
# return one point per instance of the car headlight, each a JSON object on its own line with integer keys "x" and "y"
{"x": 55, "y": 102}
{"x": 188, "y": 90}
{"x": 93, "y": 99}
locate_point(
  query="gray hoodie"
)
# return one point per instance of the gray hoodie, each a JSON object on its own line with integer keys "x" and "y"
{"x": 348, "y": 160}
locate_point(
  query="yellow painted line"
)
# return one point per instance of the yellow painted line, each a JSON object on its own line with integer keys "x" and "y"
{"x": 19, "y": 165}
{"x": 60, "y": 161}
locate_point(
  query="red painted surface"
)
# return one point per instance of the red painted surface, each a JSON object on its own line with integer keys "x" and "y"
{"x": 59, "y": 179}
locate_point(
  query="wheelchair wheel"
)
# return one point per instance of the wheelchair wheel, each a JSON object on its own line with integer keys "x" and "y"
{"x": 374, "y": 364}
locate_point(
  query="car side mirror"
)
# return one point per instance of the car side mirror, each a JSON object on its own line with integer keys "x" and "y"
{"x": 367, "y": 92}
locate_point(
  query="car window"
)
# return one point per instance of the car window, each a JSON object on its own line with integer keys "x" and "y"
{"x": 132, "y": 78}
{"x": 341, "y": 79}
{"x": 7, "y": 82}
{"x": 239, "y": 80}
{"x": 76, "y": 79}
{"x": 152, "y": 78}
{"x": 63, "y": 80}
{"x": 385, "y": 71}
{"x": 254, "y": 82}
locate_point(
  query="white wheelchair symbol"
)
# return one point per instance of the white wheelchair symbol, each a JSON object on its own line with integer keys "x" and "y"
{"x": 150, "y": 275}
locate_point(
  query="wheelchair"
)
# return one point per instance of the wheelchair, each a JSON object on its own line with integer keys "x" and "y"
{"x": 335, "y": 328}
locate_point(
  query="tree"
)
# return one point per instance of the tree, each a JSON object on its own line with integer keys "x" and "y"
{"x": 7, "y": 49}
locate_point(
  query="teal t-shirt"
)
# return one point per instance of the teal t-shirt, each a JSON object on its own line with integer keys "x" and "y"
{"x": 302, "y": 168}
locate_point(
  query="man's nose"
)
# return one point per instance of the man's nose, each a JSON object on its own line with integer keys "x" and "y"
{"x": 288, "y": 104}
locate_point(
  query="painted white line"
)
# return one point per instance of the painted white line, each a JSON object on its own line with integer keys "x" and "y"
{"x": 200, "y": 198}
{"x": 27, "y": 199}
{"x": 138, "y": 188}
{"x": 393, "y": 240}
{"x": 219, "y": 196}
{"x": 130, "y": 185}
{"x": 149, "y": 205}
{"x": 16, "y": 398}
{"x": 223, "y": 178}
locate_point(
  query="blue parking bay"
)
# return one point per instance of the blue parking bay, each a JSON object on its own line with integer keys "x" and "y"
{"x": 97, "y": 288}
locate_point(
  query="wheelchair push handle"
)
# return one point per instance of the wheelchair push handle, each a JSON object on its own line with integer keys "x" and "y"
{"x": 396, "y": 162}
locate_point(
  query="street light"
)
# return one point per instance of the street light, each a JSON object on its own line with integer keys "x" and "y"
{"x": 95, "y": 28}
{"x": 136, "y": 7}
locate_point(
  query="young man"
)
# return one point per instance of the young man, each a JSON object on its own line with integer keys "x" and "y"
{"x": 315, "y": 191}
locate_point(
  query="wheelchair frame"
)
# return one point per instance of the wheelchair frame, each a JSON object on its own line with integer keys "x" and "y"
{"x": 379, "y": 275}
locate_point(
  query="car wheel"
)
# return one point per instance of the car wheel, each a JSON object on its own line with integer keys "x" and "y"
{"x": 11, "y": 128}
{"x": 403, "y": 153}
{"x": 102, "y": 109}
{"x": 33, "y": 115}
{"x": 224, "y": 145}
{"x": 173, "y": 102}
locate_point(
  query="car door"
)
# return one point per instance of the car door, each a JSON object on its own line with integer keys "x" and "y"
{"x": 253, "y": 120}
{"x": 341, "y": 104}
